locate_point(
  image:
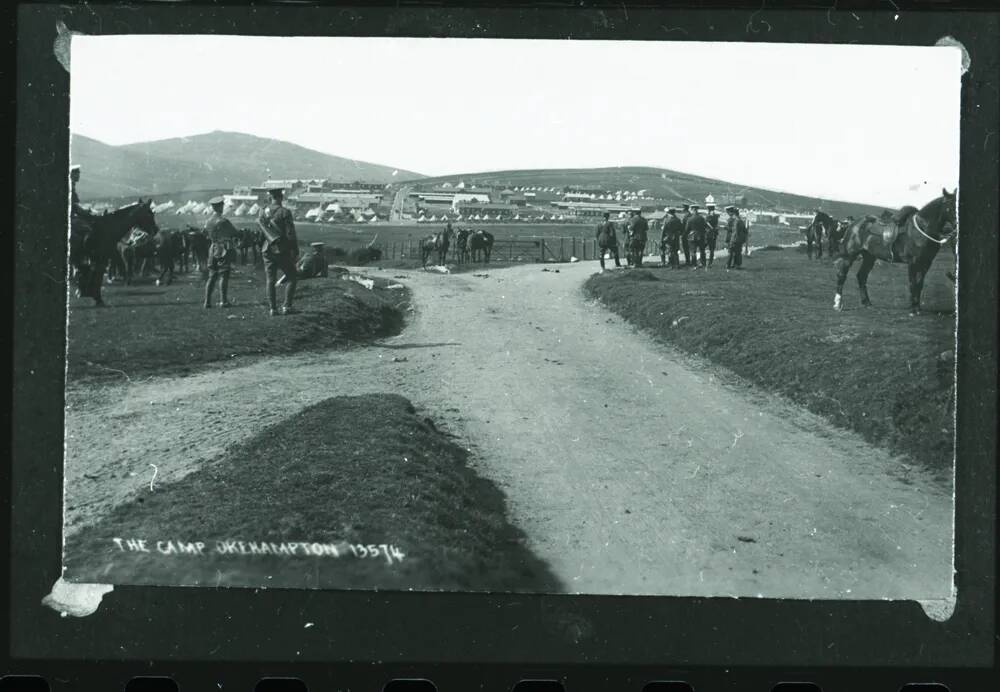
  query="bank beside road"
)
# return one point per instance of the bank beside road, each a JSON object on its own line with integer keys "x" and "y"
{"x": 875, "y": 370}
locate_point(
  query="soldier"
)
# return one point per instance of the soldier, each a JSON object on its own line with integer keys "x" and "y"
{"x": 696, "y": 228}
{"x": 281, "y": 250}
{"x": 736, "y": 237}
{"x": 673, "y": 229}
{"x": 712, "y": 234}
{"x": 638, "y": 228}
{"x": 607, "y": 240}
{"x": 314, "y": 264}
{"x": 221, "y": 233}
{"x": 80, "y": 222}
{"x": 685, "y": 215}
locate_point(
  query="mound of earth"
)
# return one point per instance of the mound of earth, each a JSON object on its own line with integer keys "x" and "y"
{"x": 150, "y": 330}
{"x": 353, "y": 492}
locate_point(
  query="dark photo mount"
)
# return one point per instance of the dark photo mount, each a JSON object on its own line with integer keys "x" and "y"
{"x": 205, "y": 636}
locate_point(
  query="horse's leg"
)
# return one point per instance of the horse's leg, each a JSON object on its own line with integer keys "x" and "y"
{"x": 867, "y": 262}
{"x": 819, "y": 247}
{"x": 809, "y": 246}
{"x": 96, "y": 277}
{"x": 918, "y": 271}
{"x": 843, "y": 265}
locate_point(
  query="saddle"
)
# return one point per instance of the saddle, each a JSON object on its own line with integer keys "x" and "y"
{"x": 888, "y": 226}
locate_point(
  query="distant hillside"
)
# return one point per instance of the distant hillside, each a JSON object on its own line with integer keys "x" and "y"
{"x": 661, "y": 183}
{"x": 216, "y": 160}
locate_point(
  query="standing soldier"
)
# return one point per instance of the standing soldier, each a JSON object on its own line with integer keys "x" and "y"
{"x": 281, "y": 250}
{"x": 222, "y": 235}
{"x": 673, "y": 229}
{"x": 627, "y": 241}
{"x": 685, "y": 215}
{"x": 696, "y": 228}
{"x": 712, "y": 234}
{"x": 314, "y": 264}
{"x": 607, "y": 240}
{"x": 80, "y": 225}
{"x": 736, "y": 237}
{"x": 638, "y": 229}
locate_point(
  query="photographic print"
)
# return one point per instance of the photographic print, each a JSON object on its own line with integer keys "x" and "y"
{"x": 495, "y": 315}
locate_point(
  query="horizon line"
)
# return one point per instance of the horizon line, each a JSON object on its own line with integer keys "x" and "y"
{"x": 486, "y": 172}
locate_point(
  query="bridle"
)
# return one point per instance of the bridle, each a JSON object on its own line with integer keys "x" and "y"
{"x": 939, "y": 241}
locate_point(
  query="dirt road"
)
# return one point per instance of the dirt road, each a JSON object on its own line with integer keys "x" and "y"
{"x": 632, "y": 468}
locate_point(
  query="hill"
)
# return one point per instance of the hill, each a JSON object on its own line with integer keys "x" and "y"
{"x": 660, "y": 183}
{"x": 216, "y": 160}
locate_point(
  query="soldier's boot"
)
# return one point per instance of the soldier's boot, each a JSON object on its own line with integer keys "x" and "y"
{"x": 225, "y": 292}
{"x": 209, "y": 290}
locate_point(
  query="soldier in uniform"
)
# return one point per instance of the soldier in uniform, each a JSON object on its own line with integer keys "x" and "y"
{"x": 696, "y": 228}
{"x": 638, "y": 228}
{"x": 80, "y": 222}
{"x": 314, "y": 264}
{"x": 712, "y": 234}
{"x": 607, "y": 240}
{"x": 673, "y": 229}
{"x": 685, "y": 215}
{"x": 281, "y": 251}
{"x": 736, "y": 237}
{"x": 222, "y": 235}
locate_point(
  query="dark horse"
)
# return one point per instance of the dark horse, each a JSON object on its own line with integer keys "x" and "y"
{"x": 462, "y": 245}
{"x": 437, "y": 243}
{"x": 911, "y": 236}
{"x": 821, "y": 223}
{"x": 101, "y": 244}
{"x": 480, "y": 245}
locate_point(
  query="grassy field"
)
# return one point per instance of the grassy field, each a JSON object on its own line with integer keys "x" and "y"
{"x": 873, "y": 370}
{"x": 165, "y": 330}
{"x": 394, "y": 484}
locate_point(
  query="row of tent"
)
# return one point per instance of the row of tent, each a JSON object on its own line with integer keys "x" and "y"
{"x": 487, "y": 217}
{"x": 191, "y": 207}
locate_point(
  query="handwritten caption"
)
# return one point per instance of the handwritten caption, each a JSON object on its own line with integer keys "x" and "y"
{"x": 390, "y": 553}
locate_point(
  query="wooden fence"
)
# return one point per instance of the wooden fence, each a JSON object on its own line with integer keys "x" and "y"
{"x": 518, "y": 249}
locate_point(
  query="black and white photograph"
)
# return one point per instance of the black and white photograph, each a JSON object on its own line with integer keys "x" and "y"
{"x": 650, "y": 318}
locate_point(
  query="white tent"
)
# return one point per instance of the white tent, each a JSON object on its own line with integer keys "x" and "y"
{"x": 333, "y": 207}
{"x": 476, "y": 217}
{"x": 198, "y": 207}
{"x": 458, "y": 218}
{"x": 517, "y": 217}
{"x": 255, "y": 209}
{"x": 313, "y": 213}
{"x": 240, "y": 210}
{"x": 207, "y": 210}
{"x": 373, "y": 219}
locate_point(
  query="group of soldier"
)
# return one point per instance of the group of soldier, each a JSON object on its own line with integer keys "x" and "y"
{"x": 280, "y": 250}
{"x": 691, "y": 233}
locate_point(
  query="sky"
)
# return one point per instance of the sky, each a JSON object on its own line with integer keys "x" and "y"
{"x": 872, "y": 124}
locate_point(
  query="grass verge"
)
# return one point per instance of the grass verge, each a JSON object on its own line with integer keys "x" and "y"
{"x": 349, "y": 471}
{"x": 165, "y": 330}
{"x": 874, "y": 370}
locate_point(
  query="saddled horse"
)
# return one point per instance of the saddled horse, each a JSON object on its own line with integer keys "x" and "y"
{"x": 437, "y": 243}
{"x": 835, "y": 236}
{"x": 822, "y": 224}
{"x": 480, "y": 245}
{"x": 138, "y": 254}
{"x": 912, "y": 236}
{"x": 462, "y": 245}
{"x": 101, "y": 243}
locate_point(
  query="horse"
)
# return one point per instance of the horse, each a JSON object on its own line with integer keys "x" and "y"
{"x": 138, "y": 254}
{"x": 821, "y": 223}
{"x": 197, "y": 244}
{"x": 480, "y": 245}
{"x": 835, "y": 236}
{"x": 102, "y": 241}
{"x": 437, "y": 243}
{"x": 462, "y": 245}
{"x": 913, "y": 236}
{"x": 169, "y": 251}
{"x": 249, "y": 243}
